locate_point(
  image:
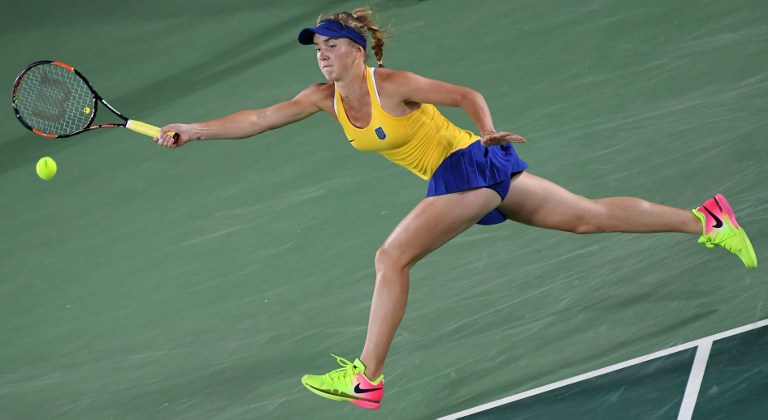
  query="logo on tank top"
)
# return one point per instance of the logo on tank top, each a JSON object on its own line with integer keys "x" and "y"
{"x": 380, "y": 133}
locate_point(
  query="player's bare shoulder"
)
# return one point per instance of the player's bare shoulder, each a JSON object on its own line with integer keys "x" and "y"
{"x": 395, "y": 88}
{"x": 320, "y": 95}
{"x": 395, "y": 80}
{"x": 387, "y": 75}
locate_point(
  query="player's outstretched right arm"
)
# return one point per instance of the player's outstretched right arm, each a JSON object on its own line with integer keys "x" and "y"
{"x": 248, "y": 123}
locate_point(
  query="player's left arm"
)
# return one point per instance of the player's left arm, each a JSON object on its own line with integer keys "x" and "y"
{"x": 412, "y": 87}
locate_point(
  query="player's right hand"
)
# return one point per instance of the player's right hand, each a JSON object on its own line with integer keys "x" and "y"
{"x": 174, "y": 135}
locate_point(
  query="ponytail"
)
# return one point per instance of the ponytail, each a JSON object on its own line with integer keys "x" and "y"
{"x": 361, "y": 20}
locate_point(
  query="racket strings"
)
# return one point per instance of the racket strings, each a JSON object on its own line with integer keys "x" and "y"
{"x": 54, "y": 100}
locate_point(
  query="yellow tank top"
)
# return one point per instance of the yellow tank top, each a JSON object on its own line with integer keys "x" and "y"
{"x": 419, "y": 141}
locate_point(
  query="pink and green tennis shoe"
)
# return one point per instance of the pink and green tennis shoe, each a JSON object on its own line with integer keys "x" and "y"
{"x": 347, "y": 384}
{"x": 722, "y": 229}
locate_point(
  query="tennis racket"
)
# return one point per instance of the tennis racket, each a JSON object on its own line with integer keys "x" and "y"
{"x": 55, "y": 100}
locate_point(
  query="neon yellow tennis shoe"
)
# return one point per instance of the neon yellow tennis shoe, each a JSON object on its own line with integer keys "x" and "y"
{"x": 722, "y": 229}
{"x": 347, "y": 384}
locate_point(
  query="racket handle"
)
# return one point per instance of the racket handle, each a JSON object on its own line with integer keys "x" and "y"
{"x": 144, "y": 128}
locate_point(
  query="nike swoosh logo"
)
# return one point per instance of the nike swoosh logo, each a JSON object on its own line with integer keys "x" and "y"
{"x": 359, "y": 390}
{"x": 718, "y": 222}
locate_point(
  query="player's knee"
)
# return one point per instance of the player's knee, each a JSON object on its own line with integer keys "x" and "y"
{"x": 592, "y": 220}
{"x": 585, "y": 228}
{"x": 392, "y": 258}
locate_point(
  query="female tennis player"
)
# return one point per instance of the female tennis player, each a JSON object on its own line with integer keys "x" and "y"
{"x": 473, "y": 178}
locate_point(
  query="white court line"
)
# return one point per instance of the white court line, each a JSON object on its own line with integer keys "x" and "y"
{"x": 605, "y": 370}
{"x": 694, "y": 381}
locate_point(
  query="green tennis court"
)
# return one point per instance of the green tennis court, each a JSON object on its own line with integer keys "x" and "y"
{"x": 201, "y": 283}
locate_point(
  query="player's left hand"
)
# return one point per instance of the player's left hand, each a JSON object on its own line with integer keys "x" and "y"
{"x": 493, "y": 138}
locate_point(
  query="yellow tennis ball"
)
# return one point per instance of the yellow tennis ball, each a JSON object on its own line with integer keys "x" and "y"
{"x": 46, "y": 168}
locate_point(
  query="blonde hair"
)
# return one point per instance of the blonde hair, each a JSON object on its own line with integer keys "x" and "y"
{"x": 361, "y": 20}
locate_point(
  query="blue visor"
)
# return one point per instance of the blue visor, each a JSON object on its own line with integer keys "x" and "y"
{"x": 331, "y": 29}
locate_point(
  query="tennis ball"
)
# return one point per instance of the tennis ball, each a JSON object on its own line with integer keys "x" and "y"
{"x": 46, "y": 168}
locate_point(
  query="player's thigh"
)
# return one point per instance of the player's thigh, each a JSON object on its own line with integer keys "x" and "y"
{"x": 539, "y": 202}
{"x": 435, "y": 221}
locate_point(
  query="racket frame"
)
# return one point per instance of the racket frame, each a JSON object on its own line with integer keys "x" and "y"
{"x": 134, "y": 125}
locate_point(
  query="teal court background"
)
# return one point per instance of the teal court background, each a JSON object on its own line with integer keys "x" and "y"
{"x": 203, "y": 282}
{"x": 719, "y": 376}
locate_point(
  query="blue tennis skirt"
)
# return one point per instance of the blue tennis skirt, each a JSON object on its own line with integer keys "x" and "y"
{"x": 478, "y": 166}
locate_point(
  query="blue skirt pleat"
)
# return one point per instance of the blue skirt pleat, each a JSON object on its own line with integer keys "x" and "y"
{"x": 478, "y": 166}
